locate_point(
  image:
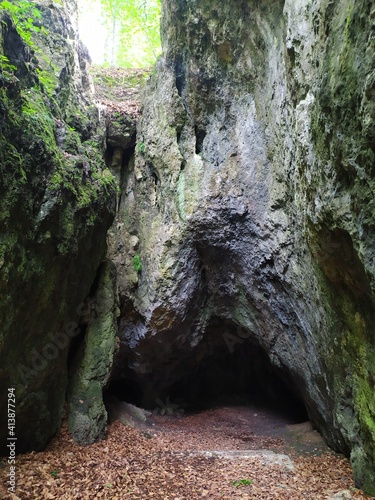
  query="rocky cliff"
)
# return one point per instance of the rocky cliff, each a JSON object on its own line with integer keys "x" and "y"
{"x": 247, "y": 212}
{"x": 57, "y": 202}
{"x": 242, "y": 244}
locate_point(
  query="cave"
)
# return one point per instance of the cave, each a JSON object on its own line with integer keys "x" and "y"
{"x": 244, "y": 377}
{"x": 205, "y": 228}
{"x": 228, "y": 368}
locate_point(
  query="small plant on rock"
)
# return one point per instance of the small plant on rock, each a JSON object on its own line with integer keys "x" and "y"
{"x": 137, "y": 263}
{"x": 141, "y": 147}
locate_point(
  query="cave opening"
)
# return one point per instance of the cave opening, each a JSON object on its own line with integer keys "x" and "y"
{"x": 221, "y": 371}
{"x": 127, "y": 390}
{"x": 242, "y": 377}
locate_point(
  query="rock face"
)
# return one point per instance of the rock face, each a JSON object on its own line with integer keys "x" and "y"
{"x": 242, "y": 248}
{"x": 249, "y": 204}
{"x": 57, "y": 202}
{"x": 93, "y": 363}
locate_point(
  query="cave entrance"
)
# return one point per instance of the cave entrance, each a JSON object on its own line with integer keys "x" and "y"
{"x": 216, "y": 373}
{"x": 244, "y": 377}
{"x": 127, "y": 390}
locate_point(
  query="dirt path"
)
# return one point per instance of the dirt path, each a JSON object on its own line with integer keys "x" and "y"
{"x": 163, "y": 460}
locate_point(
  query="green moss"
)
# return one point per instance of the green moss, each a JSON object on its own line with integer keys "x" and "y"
{"x": 87, "y": 415}
{"x": 83, "y": 176}
{"x": 354, "y": 374}
{"x": 224, "y": 51}
{"x": 348, "y": 347}
{"x": 349, "y": 16}
{"x": 137, "y": 263}
{"x": 56, "y": 205}
{"x": 49, "y": 81}
{"x": 364, "y": 403}
{"x": 37, "y": 118}
{"x": 72, "y": 143}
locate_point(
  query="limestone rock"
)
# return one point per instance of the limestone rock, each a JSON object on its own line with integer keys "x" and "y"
{"x": 264, "y": 456}
{"x": 251, "y": 195}
{"x": 127, "y": 414}
{"x": 87, "y": 414}
{"x": 120, "y": 131}
{"x": 342, "y": 495}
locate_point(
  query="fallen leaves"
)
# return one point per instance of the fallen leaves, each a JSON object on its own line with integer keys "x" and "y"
{"x": 118, "y": 90}
{"x": 129, "y": 465}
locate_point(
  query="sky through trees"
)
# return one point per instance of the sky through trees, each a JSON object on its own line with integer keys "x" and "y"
{"x": 123, "y": 33}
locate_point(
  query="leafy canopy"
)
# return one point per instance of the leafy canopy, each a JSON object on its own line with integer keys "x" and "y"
{"x": 133, "y": 32}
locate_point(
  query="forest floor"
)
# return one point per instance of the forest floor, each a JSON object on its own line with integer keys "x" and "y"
{"x": 119, "y": 89}
{"x": 172, "y": 457}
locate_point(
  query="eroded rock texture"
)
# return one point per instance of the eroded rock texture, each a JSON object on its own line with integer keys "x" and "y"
{"x": 93, "y": 363}
{"x": 250, "y": 203}
{"x": 57, "y": 202}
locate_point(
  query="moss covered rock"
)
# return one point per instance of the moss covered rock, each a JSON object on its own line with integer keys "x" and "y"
{"x": 93, "y": 364}
{"x": 57, "y": 201}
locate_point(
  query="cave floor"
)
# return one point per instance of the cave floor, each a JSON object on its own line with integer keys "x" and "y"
{"x": 166, "y": 458}
{"x": 241, "y": 428}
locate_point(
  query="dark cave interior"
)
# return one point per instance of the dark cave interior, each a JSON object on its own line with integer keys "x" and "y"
{"x": 213, "y": 376}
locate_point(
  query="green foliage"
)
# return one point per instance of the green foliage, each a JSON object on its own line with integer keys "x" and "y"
{"x": 48, "y": 79}
{"x": 242, "y": 482}
{"x": 141, "y": 147}
{"x": 25, "y": 17}
{"x": 6, "y": 68}
{"x": 39, "y": 123}
{"x": 134, "y": 27}
{"x": 137, "y": 263}
{"x": 23, "y": 14}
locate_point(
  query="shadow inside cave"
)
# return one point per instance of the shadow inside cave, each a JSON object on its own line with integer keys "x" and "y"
{"x": 242, "y": 378}
{"x": 247, "y": 420}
